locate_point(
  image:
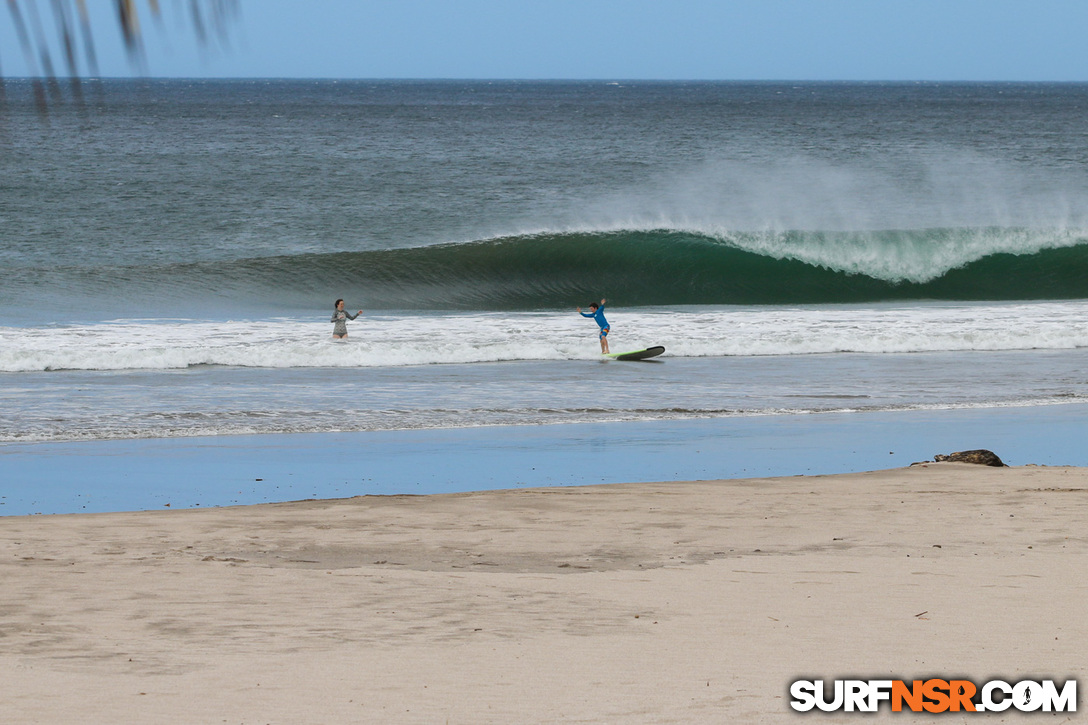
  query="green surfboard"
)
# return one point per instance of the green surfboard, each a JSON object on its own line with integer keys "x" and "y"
{"x": 638, "y": 354}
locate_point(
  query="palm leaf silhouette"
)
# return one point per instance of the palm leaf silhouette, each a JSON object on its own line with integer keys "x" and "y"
{"x": 209, "y": 18}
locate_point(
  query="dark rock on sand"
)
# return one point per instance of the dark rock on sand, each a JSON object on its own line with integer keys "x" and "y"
{"x": 982, "y": 457}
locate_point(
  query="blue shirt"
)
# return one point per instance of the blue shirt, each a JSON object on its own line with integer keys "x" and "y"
{"x": 598, "y": 316}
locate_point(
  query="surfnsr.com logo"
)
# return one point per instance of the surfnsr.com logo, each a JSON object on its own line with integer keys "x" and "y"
{"x": 934, "y": 695}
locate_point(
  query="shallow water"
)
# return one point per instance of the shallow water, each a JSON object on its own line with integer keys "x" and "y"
{"x": 232, "y": 470}
{"x": 219, "y": 400}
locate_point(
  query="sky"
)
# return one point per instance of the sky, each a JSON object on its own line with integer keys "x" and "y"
{"x": 892, "y": 40}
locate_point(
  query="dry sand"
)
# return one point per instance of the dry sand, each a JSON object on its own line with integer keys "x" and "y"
{"x": 640, "y": 603}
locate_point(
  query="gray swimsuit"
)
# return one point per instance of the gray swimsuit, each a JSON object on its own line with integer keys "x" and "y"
{"x": 340, "y": 324}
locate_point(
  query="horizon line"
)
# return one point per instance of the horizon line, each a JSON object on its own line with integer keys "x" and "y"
{"x": 605, "y": 79}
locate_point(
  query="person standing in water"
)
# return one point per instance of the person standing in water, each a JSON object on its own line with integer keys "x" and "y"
{"x": 339, "y": 319}
{"x": 597, "y": 313}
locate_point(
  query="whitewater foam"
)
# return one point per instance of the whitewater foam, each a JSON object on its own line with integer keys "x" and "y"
{"x": 422, "y": 339}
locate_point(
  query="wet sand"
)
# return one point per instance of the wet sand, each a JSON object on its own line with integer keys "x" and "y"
{"x": 632, "y": 603}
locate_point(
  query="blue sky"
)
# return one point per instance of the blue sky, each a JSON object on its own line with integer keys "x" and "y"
{"x": 1018, "y": 40}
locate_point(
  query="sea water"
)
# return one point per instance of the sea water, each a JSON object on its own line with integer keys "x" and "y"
{"x": 170, "y": 251}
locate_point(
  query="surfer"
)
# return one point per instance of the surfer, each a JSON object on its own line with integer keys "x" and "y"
{"x": 339, "y": 320}
{"x": 597, "y": 313}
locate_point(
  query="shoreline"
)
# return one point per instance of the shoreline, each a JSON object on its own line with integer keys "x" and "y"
{"x": 638, "y": 602}
{"x": 202, "y": 472}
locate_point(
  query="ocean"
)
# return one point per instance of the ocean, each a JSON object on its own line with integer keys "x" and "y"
{"x": 170, "y": 252}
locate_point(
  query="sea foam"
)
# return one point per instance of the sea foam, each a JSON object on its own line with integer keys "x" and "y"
{"x": 395, "y": 340}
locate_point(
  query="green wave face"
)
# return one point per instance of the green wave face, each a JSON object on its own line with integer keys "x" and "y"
{"x": 631, "y": 268}
{"x": 679, "y": 268}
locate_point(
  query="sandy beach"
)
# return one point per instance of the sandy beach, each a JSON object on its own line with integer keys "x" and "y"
{"x": 628, "y": 603}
